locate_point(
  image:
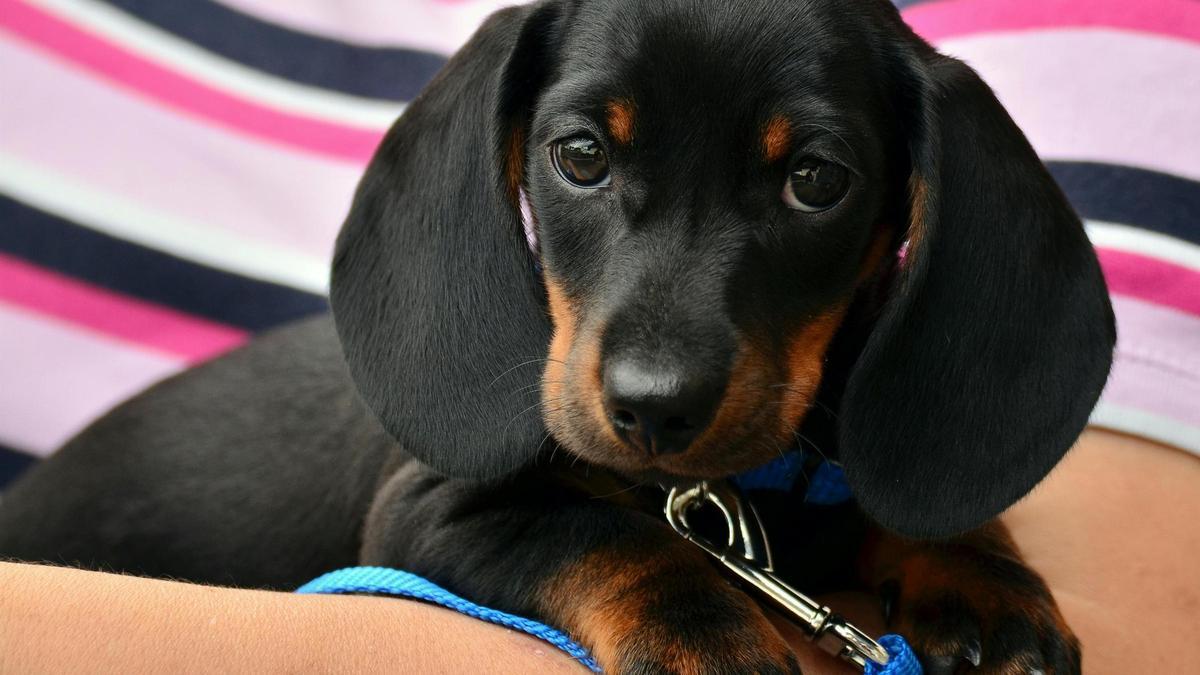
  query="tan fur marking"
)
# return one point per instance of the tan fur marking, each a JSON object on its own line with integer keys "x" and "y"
{"x": 565, "y": 323}
{"x": 740, "y": 396}
{"x": 919, "y": 203}
{"x": 514, "y": 165}
{"x": 601, "y": 598}
{"x": 776, "y": 138}
{"x": 570, "y": 344}
{"x": 591, "y": 387}
{"x": 806, "y": 364}
{"x": 606, "y": 600}
{"x": 620, "y": 120}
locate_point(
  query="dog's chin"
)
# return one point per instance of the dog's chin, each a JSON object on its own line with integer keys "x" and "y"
{"x": 678, "y": 470}
{"x": 665, "y": 479}
{"x": 754, "y": 441}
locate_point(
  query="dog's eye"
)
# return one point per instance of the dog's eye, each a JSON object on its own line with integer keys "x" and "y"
{"x": 815, "y": 185}
{"x": 581, "y": 162}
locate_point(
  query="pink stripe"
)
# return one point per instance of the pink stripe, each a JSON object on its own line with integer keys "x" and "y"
{"x": 115, "y": 63}
{"x": 939, "y": 20}
{"x": 416, "y": 24}
{"x": 1157, "y": 367}
{"x": 118, "y": 316}
{"x": 1102, "y": 96}
{"x": 57, "y": 378}
{"x": 172, "y": 164}
{"x": 1156, "y": 281}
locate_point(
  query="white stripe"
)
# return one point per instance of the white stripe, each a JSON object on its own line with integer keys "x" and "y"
{"x": 161, "y": 47}
{"x": 119, "y": 217}
{"x": 1140, "y": 423}
{"x": 1143, "y": 242}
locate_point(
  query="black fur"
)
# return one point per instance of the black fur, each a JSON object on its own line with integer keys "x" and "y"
{"x": 985, "y": 365}
{"x": 433, "y": 286}
{"x": 958, "y": 378}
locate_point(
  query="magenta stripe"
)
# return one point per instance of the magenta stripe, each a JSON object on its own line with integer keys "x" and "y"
{"x": 939, "y": 20}
{"x": 157, "y": 82}
{"x": 1156, "y": 281}
{"x": 1157, "y": 368}
{"x": 151, "y": 326}
{"x": 169, "y": 163}
{"x": 57, "y": 378}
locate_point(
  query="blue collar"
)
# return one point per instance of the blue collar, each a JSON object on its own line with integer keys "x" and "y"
{"x": 826, "y": 481}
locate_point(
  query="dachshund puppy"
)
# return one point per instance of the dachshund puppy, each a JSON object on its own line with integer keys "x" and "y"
{"x": 617, "y": 245}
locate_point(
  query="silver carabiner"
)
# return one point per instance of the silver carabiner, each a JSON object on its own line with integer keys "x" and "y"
{"x": 747, "y": 553}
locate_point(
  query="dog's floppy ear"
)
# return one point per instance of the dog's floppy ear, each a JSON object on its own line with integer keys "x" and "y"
{"x": 434, "y": 291}
{"x": 997, "y": 338}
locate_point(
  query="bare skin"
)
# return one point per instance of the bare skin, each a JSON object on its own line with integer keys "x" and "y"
{"x": 1112, "y": 530}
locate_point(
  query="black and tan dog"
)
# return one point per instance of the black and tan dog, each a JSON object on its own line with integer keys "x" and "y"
{"x": 754, "y": 221}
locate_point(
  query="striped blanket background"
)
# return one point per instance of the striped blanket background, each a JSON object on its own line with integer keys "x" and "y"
{"x": 173, "y": 173}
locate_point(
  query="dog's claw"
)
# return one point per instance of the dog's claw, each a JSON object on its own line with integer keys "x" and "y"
{"x": 973, "y": 652}
{"x": 969, "y": 650}
{"x": 949, "y": 630}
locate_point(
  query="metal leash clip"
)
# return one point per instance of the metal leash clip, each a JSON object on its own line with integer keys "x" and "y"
{"x": 747, "y": 554}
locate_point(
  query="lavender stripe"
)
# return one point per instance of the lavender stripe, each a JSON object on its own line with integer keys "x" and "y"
{"x": 57, "y": 378}
{"x": 1096, "y": 95}
{"x": 1157, "y": 365}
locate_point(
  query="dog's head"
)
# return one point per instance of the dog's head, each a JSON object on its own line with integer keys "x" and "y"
{"x": 712, "y": 190}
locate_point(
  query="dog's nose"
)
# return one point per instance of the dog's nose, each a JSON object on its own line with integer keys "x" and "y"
{"x": 659, "y": 409}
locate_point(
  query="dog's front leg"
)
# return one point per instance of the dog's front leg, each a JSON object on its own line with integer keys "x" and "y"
{"x": 618, "y": 580}
{"x": 970, "y": 600}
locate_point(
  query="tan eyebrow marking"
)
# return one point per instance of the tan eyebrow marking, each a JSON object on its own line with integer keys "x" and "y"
{"x": 776, "y": 138}
{"x": 620, "y": 120}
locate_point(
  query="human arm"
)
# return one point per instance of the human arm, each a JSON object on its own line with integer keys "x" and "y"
{"x": 55, "y": 620}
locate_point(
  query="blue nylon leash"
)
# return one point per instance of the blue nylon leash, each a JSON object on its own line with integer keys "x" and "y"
{"x": 826, "y": 485}
{"x": 901, "y": 659}
{"x": 387, "y": 581}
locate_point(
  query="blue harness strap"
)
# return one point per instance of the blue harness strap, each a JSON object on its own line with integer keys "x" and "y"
{"x": 826, "y": 482}
{"x": 387, "y": 581}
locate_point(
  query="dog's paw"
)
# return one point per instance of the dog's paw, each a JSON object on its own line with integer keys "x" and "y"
{"x": 986, "y": 614}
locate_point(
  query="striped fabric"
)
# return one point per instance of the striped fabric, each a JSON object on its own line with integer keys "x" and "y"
{"x": 173, "y": 174}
